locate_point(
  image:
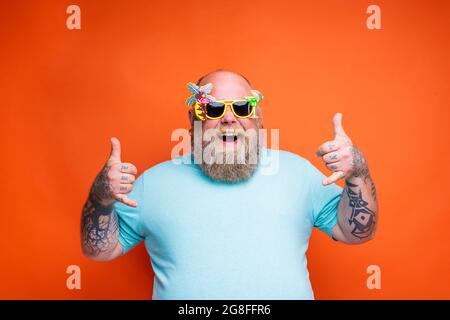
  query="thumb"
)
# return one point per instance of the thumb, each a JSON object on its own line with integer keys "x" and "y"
{"x": 337, "y": 126}
{"x": 115, "y": 151}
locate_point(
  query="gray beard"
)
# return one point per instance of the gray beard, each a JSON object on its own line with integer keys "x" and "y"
{"x": 236, "y": 165}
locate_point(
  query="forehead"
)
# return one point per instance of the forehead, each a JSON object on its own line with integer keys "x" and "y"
{"x": 227, "y": 86}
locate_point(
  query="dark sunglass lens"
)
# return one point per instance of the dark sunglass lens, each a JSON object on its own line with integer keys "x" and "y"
{"x": 215, "y": 109}
{"x": 242, "y": 108}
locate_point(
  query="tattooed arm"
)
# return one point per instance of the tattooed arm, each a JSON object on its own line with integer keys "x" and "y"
{"x": 358, "y": 207}
{"x": 99, "y": 221}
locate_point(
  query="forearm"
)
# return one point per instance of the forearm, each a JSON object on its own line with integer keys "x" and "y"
{"x": 99, "y": 223}
{"x": 358, "y": 207}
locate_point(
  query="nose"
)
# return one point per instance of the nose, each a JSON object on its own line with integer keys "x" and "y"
{"x": 228, "y": 117}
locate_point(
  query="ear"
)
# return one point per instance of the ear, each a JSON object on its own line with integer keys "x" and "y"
{"x": 191, "y": 116}
{"x": 260, "y": 117}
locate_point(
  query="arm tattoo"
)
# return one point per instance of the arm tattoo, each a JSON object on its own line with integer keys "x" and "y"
{"x": 362, "y": 218}
{"x": 99, "y": 223}
{"x": 360, "y": 164}
{"x": 374, "y": 190}
{"x": 101, "y": 189}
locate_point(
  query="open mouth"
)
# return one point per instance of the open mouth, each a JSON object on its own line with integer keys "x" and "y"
{"x": 229, "y": 137}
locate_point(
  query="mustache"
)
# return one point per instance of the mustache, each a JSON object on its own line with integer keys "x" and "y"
{"x": 227, "y": 133}
{"x": 237, "y": 131}
{"x": 224, "y": 133}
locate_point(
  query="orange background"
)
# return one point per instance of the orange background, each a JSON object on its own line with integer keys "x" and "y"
{"x": 64, "y": 93}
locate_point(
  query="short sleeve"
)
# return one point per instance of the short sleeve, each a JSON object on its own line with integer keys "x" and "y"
{"x": 130, "y": 227}
{"x": 325, "y": 201}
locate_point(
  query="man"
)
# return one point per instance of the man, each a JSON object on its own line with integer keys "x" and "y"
{"x": 225, "y": 229}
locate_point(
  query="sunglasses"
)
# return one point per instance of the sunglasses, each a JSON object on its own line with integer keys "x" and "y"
{"x": 240, "y": 109}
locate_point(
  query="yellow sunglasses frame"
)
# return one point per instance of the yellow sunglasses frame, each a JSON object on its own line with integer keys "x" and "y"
{"x": 200, "y": 114}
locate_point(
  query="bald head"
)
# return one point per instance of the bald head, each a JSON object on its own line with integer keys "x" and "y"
{"x": 227, "y": 85}
{"x": 238, "y": 142}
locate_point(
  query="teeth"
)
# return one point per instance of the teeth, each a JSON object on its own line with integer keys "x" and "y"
{"x": 229, "y": 137}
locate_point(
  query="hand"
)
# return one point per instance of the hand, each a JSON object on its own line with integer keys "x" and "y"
{"x": 341, "y": 156}
{"x": 116, "y": 179}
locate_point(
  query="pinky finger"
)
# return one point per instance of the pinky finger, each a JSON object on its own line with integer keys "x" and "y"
{"x": 125, "y": 200}
{"x": 333, "y": 178}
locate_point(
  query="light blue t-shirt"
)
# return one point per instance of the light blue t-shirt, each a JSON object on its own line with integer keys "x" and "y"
{"x": 217, "y": 240}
